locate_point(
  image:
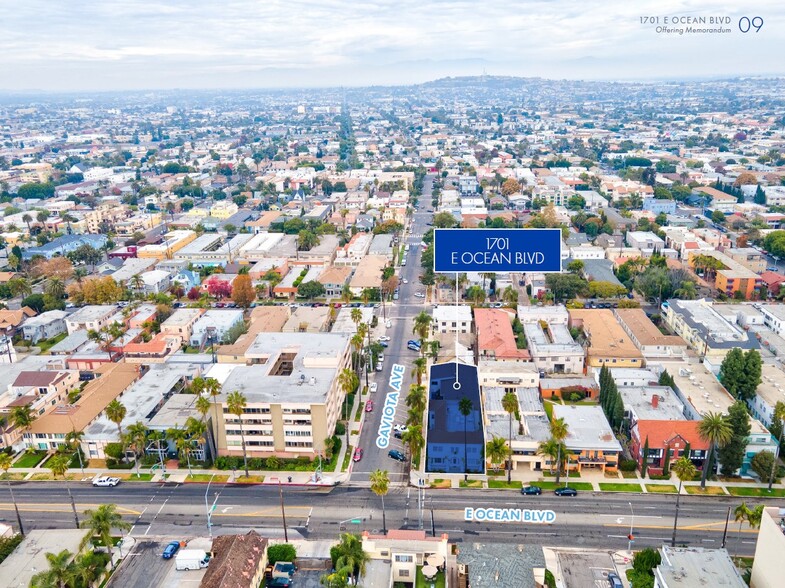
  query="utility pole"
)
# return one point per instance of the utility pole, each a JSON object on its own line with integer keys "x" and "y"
{"x": 210, "y": 509}
{"x": 725, "y": 532}
{"x": 630, "y": 537}
{"x": 16, "y": 509}
{"x": 73, "y": 506}
{"x": 283, "y": 513}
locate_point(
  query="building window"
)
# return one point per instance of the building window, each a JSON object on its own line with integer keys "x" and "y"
{"x": 403, "y": 573}
{"x": 404, "y": 558}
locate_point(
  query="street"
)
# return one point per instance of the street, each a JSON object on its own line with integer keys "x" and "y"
{"x": 588, "y": 520}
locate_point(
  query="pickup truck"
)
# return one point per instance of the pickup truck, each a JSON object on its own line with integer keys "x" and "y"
{"x": 106, "y": 481}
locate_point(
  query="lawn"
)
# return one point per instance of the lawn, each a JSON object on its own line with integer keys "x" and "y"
{"x": 358, "y": 415}
{"x": 471, "y": 484}
{"x": 503, "y": 484}
{"x": 50, "y": 476}
{"x": 617, "y": 487}
{"x": 760, "y": 492}
{"x": 217, "y": 479}
{"x": 629, "y": 475}
{"x": 440, "y": 483}
{"x": 548, "y": 405}
{"x": 11, "y": 476}
{"x": 423, "y": 583}
{"x": 47, "y": 344}
{"x": 30, "y": 460}
{"x": 249, "y": 480}
{"x": 707, "y": 491}
{"x": 661, "y": 488}
{"x": 573, "y": 474}
{"x": 553, "y": 485}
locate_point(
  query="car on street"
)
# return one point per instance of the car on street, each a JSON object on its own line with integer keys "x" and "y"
{"x": 419, "y": 295}
{"x": 358, "y": 454}
{"x": 531, "y": 490}
{"x": 388, "y": 324}
{"x": 565, "y": 491}
{"x": 614, "y": 580}
{"x": 405, "y": 281}
{"x": 170, "y": 549}
{"x": 396, "y": 455}
{"x": 413, "y": 347}
{"x": 771, "y": 269}
{"x": 385, "y": 338}
{"x": 279, "y": 582}
{"x": 398, "y": 435}
{"x": 106, "y": 481}
{"x": 379, "y": 366}
{"x": 384, "y": 343}
{"x": 369, "y": 406}
{"x": 373, "y": 387}
{"x": 401, "y": 428}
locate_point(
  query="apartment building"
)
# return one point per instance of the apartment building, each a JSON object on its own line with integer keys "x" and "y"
{"x": 44, "y": 326}
{"x": 452, "y": 319}
{"x": 368, "y": 273}
{"x": 674, "y": 436}
{"x": 651, "y": 342}
{"x": 527, "y": 433}
{"x": 695, "y": 567}
{"x": 645, "y": 241}
{"x": 704, "y": 329}
{"x": 774, "y": 317}
{"x": 590, "y": 440}
{"x": 90, "y": 318}
{"x": 607, "y": 342}
{"x": 750, "y": 258}
{"x": 105, "y": 215}
{"x": 551, "y": 345}
{"x": 734, "y": 277}
{"x": 770, "y": 391}
{"x": 290, "y": 382}
{"x": 495, "y": 338}
{"x": 172, "y": 242}
{"x": 181, "y": 322}
{"x": 766, "y": 570}
{"x": 214, "y": 325}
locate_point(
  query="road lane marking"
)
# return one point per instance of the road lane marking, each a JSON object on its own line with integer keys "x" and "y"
{"x": 696, "y": 527}
{"x": 36, "y": 507}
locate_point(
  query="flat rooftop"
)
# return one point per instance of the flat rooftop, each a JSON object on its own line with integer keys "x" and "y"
{"x": 606, "y": 336}
{"x": 639, "y": 399}
{"x": 445, "y": 422}
{"x": 772, "y": 386}
{"x": 688, "y": 567}
{"x": 588, "y": 428}
{"x": 29, "y": 558}
{"x": 175, "y": 412}
{"x": 719, "y": 333}
{"x": 643, "y": 330}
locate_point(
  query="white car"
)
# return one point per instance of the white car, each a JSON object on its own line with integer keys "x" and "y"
{"x": 385, "y": 338}
{"x": 419, "y": 295}
{"x": 405, "y": 281}
{"x": 401, "y": 428}
{"x": 106, "y": 481}
{"x": 373, "y": 387}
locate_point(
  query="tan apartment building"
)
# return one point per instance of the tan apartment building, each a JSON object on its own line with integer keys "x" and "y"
{"x": 263, "y": 319}
{"x": 608, "y": 343}
{"x": 109, "y": 214}
{"x": 368, "y": 273}
{"x": 172, "y": 243}
{"x": 290, "y": 382}
{"x": 652, "y": 343}
{"x": 181, "y": 322}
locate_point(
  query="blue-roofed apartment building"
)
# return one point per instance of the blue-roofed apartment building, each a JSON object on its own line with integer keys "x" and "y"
{"x": 64, "y": 245}
{"x": 454, "y": 444}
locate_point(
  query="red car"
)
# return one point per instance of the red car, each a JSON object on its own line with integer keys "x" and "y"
{"x": 369, "y": 406}
{"x": 358, "y": 454}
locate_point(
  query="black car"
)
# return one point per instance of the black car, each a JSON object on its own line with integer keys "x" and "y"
{"x": 398, "y": 435}
{"x": 565, "y": 491}
{"x": 531, "y": 490}
{"x": 396, "y": 455}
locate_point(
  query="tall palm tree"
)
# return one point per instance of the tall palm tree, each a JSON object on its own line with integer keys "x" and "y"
{"x": 115, "y": 412}
{"x": 236, "y": 402}
{"x": 100, "y": 523}
{"x": 22, "y": 417}
{"x": 740, "y": 514}
{"x": 59, "y": 574}
{"x": 351, "y": 556}
{"x": 347, "y": 380}
{"x": 684, "y": 470}
{"x": 58, "y": 463}
{"x": 434, "y": 347}
{"x": 413, "y": 439}
{"x": 197, "y": 432}
{"x": 465, "y": 407}
{"x": 26, "y": 218}
{"x": 202, "y": 406}
{"x": 357, "y": 344}
{"x": 86, "y": 569}
{"x": 5, "y": 465}
{"x": 73, "y": 441}
{"x": 551, "y": 449}
{"x": 420, "y": 366}
{"x": 510, "y": 295}
{"x": 755, "y": 518}
{"x": 497, "y": 451}
{"x": 422, "y": 326}
{"x": 715, "y": 429}
{"x": 380, "y": 485}
{"x": 779, "y": 416}
{"x": 55, "y": 288}
{"x": 559, "y": 431}
{"x": 213, "y": 389}
{"x": 136, "y": 435}
{"x": 415, "y": 400}
{"x": 510, "y": 406}
{"x": 20, "y": 287}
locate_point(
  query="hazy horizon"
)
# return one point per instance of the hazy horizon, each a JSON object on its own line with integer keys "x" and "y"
{"x": 125, "y": 45}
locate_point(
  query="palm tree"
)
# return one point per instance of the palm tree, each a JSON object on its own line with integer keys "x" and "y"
{"x": 553, "y": 450}
{"x": 413, "y": 439}
{"x": 347, "y": 380}
{"x": 202, "y": 406}
{"x": 100, "y": 523}
{"x": 86, "y": 569}
{"x": 740, "y": 514}
{"x": 420, "y": 366}
{"x": 58, "y": 463}
{"x": 510, "y": 406}
{"x": 20, "y": 287}
{"x": 755, "y": 518}
{"x": 357, "y": 343}
{"x": 22, "y": 417}
{"x": 212, "y": 388}
{"x": 465, "y": 407}
{"x": 497, "y": 451}
{"x": 136, "y": 435}
{"x": 415, "y": 400}
{"x": 115, "y": 412}
{"x": 182, "y": 443}
{"x": 684, "y": 470}
{"x": 55, "y": 288}
{"x": 73, "y": 441}
{"x": 197, "y": 432}
{"x": 779, "y": 416}
{"x": 434, "y": 346}
{"x": 715, "y": 429}
{"x": 510, "y": 296}
{"x": 351, "y": 556}
{"x": 5, "y": 465}
{"x": 58, "y": 575}
{"x": 422, "y": 326}
{"x": 559, "y": 432}
{"x": 236, "y": 402}
{"x": 380, "y": 485}
{"x": 137, "y": 283}
{"x": 26, "y": 218}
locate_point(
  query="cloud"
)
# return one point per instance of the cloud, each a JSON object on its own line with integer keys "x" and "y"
{"x": 86, "y": 44}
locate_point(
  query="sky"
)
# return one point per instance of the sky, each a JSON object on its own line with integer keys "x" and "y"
{"x": 86, "y": 45}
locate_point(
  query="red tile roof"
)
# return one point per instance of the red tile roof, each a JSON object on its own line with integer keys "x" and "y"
{"x": 494, "y": 334}
{"x": 662, "y": 433}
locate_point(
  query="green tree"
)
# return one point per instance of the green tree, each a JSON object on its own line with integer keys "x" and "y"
{"x": 236, "y": 403}
{"x": 420, "y": 366}
{"x": 751, "y": 379}
{"x": 444, "y": 220}
{"x": 575, "y": 266}
{"x": 380, "y": 485}
{"x": 465, "y": 407}
{"x": 476, "y": 294}
{"x": 666, "y": 464}
{"x": 731, "y": 456}
{"x": 732, "y": 371}
{"x": 559, "y": 431}
{"x": 281, "y": 552}
{"x": 311, "y": 290}
{"x": 58, "y": 464}
{"x": 136, "y": 439}
{"x": 59, "y": 574}
{"x": 740, "y": 514}
{"x": 510, "y": 406}
{"x": 496, "y": 449}
{"x": 645, "y": 458}
{"x": 684, "y": 470}
{"x": 715, "y": 430}
{"x": 566, "y": 286}
{"x": 115, "y": 412}
{"x": 413, "y": 438}
{"x": 100, "y": 523}
{"x": 22, "y": 417}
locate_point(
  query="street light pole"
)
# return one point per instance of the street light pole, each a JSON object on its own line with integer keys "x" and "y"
{"x": 632, "y": 522}
{"x": 283, "y": 513}
{"x": 73, "y": 506}
{"x": 16, "y": 508}
{"x": 209, "y": 509}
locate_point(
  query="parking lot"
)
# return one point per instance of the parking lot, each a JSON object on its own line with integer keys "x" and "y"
{"x": 586, "y": 569}
{"x": 144, "y": 566}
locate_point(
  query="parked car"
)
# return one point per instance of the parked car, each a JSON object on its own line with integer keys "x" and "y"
{"x": 405, "y": 281}
{"x": 401, "y": 428}
{"x": 106, "y": 481}
{"x": 170, "y": 549}
{"x": 531, "y": 490}
{"x": 369, "y": 406}
{"x": 419, "y": 295}
{"x": 565, "y": 491}
{"x": 279, "y": 582}
{"x": 398, "y": 435}
{"x": 396, "y": 455}
{"x": 373, "y": 387}
{"x": 384, "y": 343}
{"x": 385, "y": 338}
{"x": 413, "y": 347}
{"x": 614, "y": 580}
{"x": 358, "y": 454}
{"x": 379, "y": 366}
